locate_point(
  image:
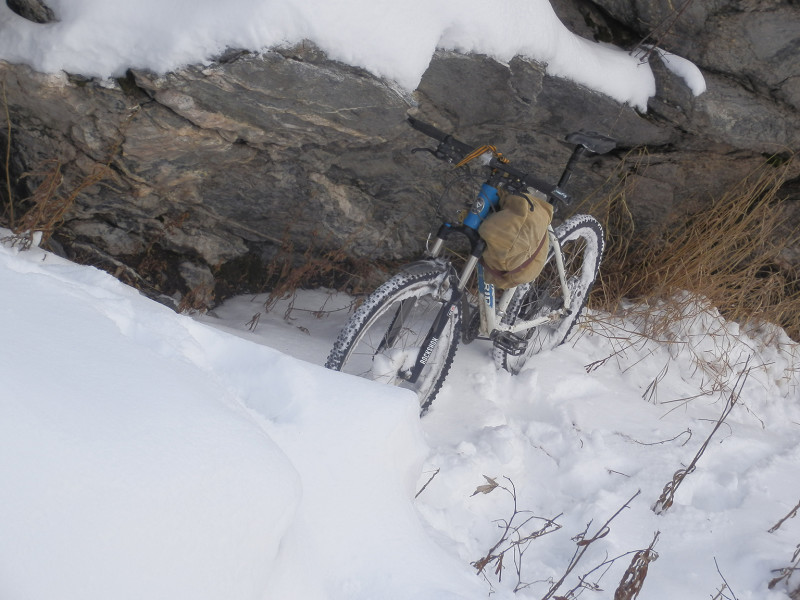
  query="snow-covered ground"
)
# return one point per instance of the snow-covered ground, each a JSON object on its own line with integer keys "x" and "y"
{"x": 394, "y": 40}
{"x": 145, "y": 454}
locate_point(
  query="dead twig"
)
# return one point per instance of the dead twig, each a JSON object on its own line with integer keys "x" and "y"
{"x": 514, "y": 537}
{"x": 583, "y": 544}
{"x": 633, "y": 579}
{"x": 790, "y": 515}
{"x": 668, "y": 494}
{"x": 725, "y": 584}
{"x": 659, "y": 32}
{"x": 422, "y": 489}
{"x": 651, "y": 393}
{"x": 253, "y": 322}
{"x": 672, "y": 439}
{"x": 786, "y": 572}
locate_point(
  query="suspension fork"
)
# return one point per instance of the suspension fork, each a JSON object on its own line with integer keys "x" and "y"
{"x": 477, "y": 246}
{"x": 451, "y": 305}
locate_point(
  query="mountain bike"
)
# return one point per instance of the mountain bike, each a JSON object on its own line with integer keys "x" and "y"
{"x": 406, "y": 332}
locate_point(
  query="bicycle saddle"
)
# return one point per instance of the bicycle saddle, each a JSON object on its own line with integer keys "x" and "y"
{"x": 592, "y": 141}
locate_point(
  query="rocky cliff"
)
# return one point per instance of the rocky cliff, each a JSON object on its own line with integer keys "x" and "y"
{"x": 202, "y": 178}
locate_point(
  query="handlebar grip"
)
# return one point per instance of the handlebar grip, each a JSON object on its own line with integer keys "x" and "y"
{"x": 427, "y": 129}
{"x": 449, "y": 147}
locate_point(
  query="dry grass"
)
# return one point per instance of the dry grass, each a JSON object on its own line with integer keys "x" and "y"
{"x": 48, "y": 205}
{"x": 46, "y": 209}
{"x": 727, "y": 255}
{"x": 199, "y": 299}
{"x": 331, "y": 268}
{"x": 9, "y": 196}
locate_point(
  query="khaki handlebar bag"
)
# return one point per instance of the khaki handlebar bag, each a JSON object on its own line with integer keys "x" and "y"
{"x": 516, "y": 239}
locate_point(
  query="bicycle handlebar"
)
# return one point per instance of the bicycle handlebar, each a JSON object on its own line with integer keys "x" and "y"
{"x": 449, "y": 147}
{"x": 453, "y": 150}
{"x": 428, "y": 129}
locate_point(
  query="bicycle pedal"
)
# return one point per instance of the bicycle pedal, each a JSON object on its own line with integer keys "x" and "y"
{"x": 509, "y": 343}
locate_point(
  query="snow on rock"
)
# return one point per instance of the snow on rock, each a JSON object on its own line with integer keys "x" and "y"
{"x": 394, "y": 40}
{"x": 685, "y": 69}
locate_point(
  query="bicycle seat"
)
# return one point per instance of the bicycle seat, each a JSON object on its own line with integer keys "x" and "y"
{"x": 592, "y": 141}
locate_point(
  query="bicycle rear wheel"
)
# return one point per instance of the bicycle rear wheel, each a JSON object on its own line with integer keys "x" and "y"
{"x": 582, "y": 243}
{"x": 383, "y": 338}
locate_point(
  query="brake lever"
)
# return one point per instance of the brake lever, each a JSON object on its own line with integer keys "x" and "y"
{"x": 415, "y": 150}
{"x": 438, "y": 153}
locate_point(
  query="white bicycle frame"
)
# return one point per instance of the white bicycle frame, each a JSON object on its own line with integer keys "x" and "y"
{"x": 492, "y": 310}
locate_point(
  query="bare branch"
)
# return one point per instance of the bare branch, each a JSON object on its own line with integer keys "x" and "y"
{"x": 513, "y": 538}
{"x": 786, "y": 572}
{"x": 583, "y": 544}
{"x": 668, "y": 493}
{"x": 422, "y": 489}
{"x": 790, "y": 515}
{"x": 659, "y": 32}
{"x": 633, "y": 579}
{"x": 726, "y": 585}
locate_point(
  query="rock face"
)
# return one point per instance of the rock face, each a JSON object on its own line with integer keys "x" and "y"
{"x": 33, "y": 10}
{"x": 214, "y": 173}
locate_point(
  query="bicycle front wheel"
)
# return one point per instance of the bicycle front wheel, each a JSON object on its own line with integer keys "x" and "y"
{"x": 383, "y": 338}
{"x": 582, "y": 244}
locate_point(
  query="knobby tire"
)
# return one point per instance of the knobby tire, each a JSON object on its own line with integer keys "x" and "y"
{"x": 406, "y": 305}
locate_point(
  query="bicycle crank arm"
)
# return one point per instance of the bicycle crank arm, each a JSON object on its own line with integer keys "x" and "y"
{"x": 433, "y": 337}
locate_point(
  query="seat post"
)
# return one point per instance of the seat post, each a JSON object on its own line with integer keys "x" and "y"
{"x": 577, "y": 153}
